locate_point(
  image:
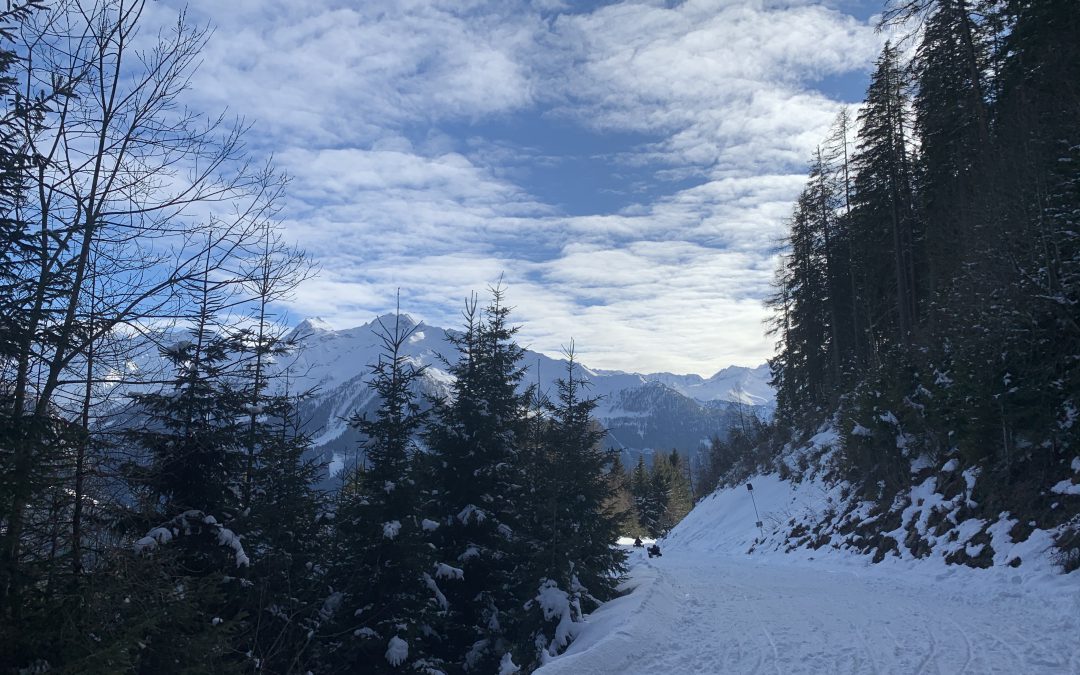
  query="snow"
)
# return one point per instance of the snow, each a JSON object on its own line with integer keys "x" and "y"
{"x": 391, "y": 529}
{"x": 507, "y": 665}
{"x": 860, "y": 430}
{"x": 153, "y": 538}
{"x": 397, "y": 650}
{"x": 737, "y": 384}
{"x": 721, "y": 601}
{"x": 921, "y": 462}
{"x": 429, "y": 525}
{"x": 471, "y": 512}
{"x": 1075, "y": 465}
{"x": 555, "y": 602}
{"x": 1066, "y": 487}
{"x": 444, "y": 571}
{"x": 434, "y": 588}
{"x": 184, "y": 524}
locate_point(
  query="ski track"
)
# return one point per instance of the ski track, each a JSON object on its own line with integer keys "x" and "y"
{"x": 692, "y": 613}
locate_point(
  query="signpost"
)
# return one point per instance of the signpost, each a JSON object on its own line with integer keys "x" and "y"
{"x": 750, "y": 489}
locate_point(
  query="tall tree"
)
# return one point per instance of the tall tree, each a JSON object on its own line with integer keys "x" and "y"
{"x": 478, "y": 488}
{"x": 114, "y": 199}
{"x": 385, "y": 567}
{"x": 575, "y": 565}
{"x": 952, "y": 122}
{"x": 885, "y": 231}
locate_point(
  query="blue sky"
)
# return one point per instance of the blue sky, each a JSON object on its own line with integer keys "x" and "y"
{"x": 627, "y": 166}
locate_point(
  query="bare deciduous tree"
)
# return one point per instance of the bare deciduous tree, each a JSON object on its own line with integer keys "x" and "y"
{"x": 126, "y": 196}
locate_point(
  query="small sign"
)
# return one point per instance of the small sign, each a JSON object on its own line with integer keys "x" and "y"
{"x": 758, "y": 523}
{"x": 750, "y": 487}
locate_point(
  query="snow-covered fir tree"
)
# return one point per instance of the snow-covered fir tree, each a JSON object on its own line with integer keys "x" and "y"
{"x": 392, "y": 608}
{"x": 479, "y": 489}
{"x": 574, "y": 519}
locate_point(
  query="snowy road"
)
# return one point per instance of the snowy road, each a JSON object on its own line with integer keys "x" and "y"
{"x": 693, "y": 612}
{"x": 707, "y": 606}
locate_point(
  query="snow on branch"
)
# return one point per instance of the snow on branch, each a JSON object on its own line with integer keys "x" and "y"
{"x": 444, "y": 571}
{"x": 397, "y": 650}
{"x": 391, "y": 529}
{"x": 193, "y": 522}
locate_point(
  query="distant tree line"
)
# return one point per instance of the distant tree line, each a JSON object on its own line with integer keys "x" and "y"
{"x": 167, "y": 520}
{"x": 930, "y": 285}
{"x": 654, "y": 498}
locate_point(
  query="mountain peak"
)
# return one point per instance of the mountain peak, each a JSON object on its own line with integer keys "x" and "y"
{"x": 389, "y": 318}
{"x": 313, "y": 324}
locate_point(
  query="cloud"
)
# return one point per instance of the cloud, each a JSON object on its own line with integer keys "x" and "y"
{"x": 336, "y": 73}
{"x": 728, "y": 83}
{"x": 416, "y": 134}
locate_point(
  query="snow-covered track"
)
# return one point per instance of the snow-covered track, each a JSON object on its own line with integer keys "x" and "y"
{"x": 703, "y": 613}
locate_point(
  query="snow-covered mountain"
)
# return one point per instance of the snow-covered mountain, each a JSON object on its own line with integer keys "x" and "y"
{"x": 643, "y": 412}
{"x": 735, "y": 383}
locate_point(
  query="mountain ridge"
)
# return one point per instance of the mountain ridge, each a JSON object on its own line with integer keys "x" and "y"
{"x": 643, "y": 412}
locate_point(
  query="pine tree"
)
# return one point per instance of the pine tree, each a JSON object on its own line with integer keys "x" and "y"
{"x": 386, "y": 570}
{"x": 952, "y": 122}
{"x": 575, "y": 565}
{"x": 479, "y": 489}
{"x": 646, "y": 508}
{"x": 885, "y": 233}
{"x": 679, "y": 499}
{"x": 280, "y": 507}
{"x": 188, "y": 490}
{"x": 622, "y": 502}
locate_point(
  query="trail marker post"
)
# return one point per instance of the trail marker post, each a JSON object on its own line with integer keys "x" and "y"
{"x": 750, "y": 489}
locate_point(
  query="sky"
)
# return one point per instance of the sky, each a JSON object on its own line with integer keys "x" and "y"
{"x": 626, "y": 167}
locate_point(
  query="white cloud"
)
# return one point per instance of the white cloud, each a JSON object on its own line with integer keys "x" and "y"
{"x": 329, "y": 72}
{"x": 379, "y": 112}
{"x": 726, "y": 82}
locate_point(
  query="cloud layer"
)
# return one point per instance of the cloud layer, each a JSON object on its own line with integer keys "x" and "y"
{"x": 669, "y": 140}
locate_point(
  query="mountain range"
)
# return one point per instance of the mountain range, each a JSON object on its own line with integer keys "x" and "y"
{"x": 643, "y": 413}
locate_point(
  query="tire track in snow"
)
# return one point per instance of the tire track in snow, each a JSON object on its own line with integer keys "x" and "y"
{"x": 967, "y": 646}
{"x": 765, "y": 631}
{"x": 866, "y": 648}
{"x": 933, "y": 652}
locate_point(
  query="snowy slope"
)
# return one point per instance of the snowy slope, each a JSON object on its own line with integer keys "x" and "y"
{"x": 718, "y": 601}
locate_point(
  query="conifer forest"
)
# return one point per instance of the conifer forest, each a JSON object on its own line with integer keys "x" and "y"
{"x": 928, "y": 295}
{"x": 927, "y": 302}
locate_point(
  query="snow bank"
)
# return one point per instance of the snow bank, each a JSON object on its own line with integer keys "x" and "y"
{"x": 724, "y": 524}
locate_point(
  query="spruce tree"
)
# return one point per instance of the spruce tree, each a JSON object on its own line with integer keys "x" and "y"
{"x": 281, "y": 509}
{"x": 885, "y": 233}
{"x": 645, "y": 506}
{"x": 392, "y": 606}
{"x": 479, "y": 489}
{"x": 679, "y": 499}
{"x": 187, "y": 488}
{"x": 952, "y": 122}
{"x": 575, "y": 565}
